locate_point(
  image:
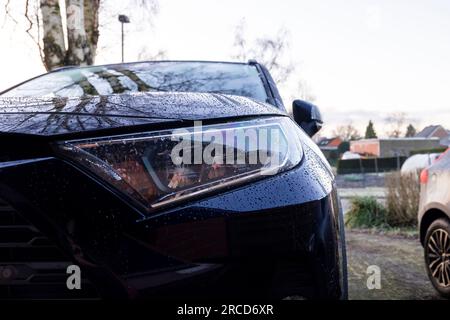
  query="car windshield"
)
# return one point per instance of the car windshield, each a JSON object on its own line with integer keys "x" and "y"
{"x": 212, "y": 77}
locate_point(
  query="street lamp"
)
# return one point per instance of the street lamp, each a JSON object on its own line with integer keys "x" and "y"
{"x": 123, "y": 19}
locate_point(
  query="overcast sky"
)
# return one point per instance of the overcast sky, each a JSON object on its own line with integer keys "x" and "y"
{"x": 361, "y": 58}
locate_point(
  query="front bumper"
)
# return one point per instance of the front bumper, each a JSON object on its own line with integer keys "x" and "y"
{"x": 277, "y": 237}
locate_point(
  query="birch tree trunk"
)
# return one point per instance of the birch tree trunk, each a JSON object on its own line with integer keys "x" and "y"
{"x": 91, "y": 9}
{"x": 82, "y": 32}
{"x": 53, "y": 37}
{"x": 78, "y": 50}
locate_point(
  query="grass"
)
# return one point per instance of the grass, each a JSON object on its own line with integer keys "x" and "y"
{"x": 404, "y": 232}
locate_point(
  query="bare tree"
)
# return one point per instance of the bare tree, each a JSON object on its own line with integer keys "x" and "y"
{"x": 396, "y": 122}
{"x": 75, "y": 41}
{"x": 305, "y": 92}
{"x": 318, "y": 137}
{"x": 270, "y": 50}
{"x": 146, "y": 54}
{"x": 240, "y": 43}
{"x": 142, "y": 14}
{"x": 347, "y": 132}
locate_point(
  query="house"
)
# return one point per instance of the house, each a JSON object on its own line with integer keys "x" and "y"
{"x": 435, "y": 131}
{"x": 329, "y": 143}
{"x": 392, "y": 147}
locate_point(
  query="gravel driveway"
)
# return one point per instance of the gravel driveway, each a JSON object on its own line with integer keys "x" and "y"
{"x": 403, "y": 274}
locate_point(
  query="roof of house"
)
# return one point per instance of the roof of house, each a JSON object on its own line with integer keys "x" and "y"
{"x": 324, "y": 142}
{"x": 428, "y": 132}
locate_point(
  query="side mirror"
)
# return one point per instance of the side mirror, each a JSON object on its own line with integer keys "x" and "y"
{"x": 307, "y": 116}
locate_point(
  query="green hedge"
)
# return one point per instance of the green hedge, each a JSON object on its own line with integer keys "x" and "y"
{"x": 428, "y": 151}
{"x": 332, "y": 156}
{"x": 370, "y": 165}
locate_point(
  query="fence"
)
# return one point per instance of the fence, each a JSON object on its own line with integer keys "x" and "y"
{"x": 370, "y": 165}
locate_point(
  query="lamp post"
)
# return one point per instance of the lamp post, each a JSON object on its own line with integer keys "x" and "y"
{"x": 123, "y": 19}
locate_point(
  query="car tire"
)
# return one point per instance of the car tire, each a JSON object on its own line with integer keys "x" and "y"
{"x": 437, "y": 255}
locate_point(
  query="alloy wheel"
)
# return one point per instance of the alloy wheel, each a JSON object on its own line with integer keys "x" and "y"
{"x": 438, "y": 258}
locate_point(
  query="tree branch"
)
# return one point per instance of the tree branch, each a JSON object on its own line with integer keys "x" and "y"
{"x": 38, "y": 25}
{"x": 8, "y": 13}
{"x": 30, "y": 22}
{"x": 30, "y": 28}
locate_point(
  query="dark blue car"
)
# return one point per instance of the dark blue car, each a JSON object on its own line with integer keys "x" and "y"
{"x": 171, "y": 179}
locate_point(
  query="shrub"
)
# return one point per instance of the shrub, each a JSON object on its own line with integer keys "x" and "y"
{"x": 402, "y": 199}
{"x": 365, "y": 212}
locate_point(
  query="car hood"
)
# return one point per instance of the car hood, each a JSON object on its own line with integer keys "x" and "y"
{"x": 52, "y": 116}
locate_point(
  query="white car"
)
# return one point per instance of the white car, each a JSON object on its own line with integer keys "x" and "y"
{"x": 419, "y": 162}
{"x": 434, "y": 222}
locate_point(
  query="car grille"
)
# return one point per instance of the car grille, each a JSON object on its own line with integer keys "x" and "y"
{"x": 31, "y": 266}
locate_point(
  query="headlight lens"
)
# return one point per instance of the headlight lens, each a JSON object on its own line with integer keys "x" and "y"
{"x": 159, "y": 168}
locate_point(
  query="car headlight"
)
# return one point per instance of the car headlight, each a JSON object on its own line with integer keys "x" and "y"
{"x": 159, "y": 168}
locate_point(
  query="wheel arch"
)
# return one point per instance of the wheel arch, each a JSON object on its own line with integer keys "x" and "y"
{"x": 428, "y": 218}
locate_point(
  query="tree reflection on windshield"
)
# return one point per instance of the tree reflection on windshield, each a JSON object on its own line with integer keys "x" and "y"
{"x": 225, "y": 78}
